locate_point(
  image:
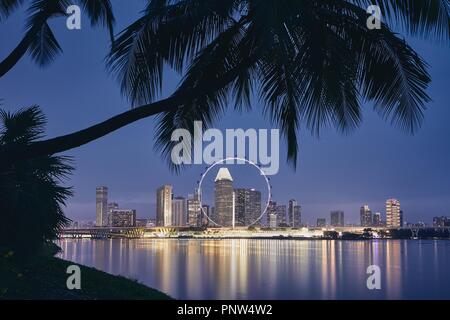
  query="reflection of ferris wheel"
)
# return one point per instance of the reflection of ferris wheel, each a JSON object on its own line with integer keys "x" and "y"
{"x": 266, "y": 179}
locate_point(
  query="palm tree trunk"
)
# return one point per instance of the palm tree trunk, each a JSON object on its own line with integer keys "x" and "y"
{"x": 11, "y": 153}
{"x": 13, "y": 58}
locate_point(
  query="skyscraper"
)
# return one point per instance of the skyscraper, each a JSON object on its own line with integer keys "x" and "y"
{"x": 272, "y": 220}
{"x": 337, "y": 218}
{"x": 179, "y": 211}
{"x": 224, "y": 197}
{"x": 205, "y": 215}
{"x": 101, "y": 203}
{"x": 164, "y": 206}
{"x": 281, "y": 216}
{"x": 365, "y": 216}
{"x": 376, "y": 219}
{"x": 247, "y": 206}
{"x": 297, "y": 217}
{"x": 394, "y": 215}
{"x": 194, "y": 210}
{"x": 290, "y": 215}
{"x": 271, "y": 211}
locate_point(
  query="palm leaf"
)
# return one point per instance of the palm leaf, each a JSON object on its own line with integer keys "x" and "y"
{"x": 100, "y": 13}
{"x": 8, "y": 6}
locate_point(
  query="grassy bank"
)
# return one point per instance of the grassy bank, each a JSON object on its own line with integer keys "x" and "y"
{"x": 45, "y": 278}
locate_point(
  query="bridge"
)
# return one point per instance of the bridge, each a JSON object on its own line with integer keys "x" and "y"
{"x": 118, "y": 232}
{"x": 142, "y": 232}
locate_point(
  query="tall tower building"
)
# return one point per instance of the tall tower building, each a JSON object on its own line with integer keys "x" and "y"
{"x": 394, "y": 215}
{"x": 101, "y": 203}
{"x": 290, "y": 216}
{"x": 376, "y": 219}
{"x": 297, "y": 217}
{"x": 179, "y": 211}
{"x": 247, "y": 206}
{"x": 223, "y": 198}
{"x": 271, "y": 212}
{"x": 337, "y": 218}
{"x": 205, "y": 215}
{"x": 194, "y": 210}
{"x": 365, "y": 216}
{"x": 164, "y": 206}
{"x": 281, "y": 215}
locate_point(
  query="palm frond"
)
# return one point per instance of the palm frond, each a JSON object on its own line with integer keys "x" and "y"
{"x": 100, "y": 13}
{"x": 7, "y": 7}
{"x": 23, "y": 126}
{"x": 43, "y": 46}
{"x": 169, "y": 32}
{"x": 211, "y": 66}
{"x": 31, "y": 197}
{"x": 422, "y": 18}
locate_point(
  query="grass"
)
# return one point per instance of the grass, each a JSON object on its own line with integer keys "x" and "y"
{"x": 45, "y": 279}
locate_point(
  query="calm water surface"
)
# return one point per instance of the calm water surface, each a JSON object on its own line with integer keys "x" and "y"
{"x": 273, "y": 269}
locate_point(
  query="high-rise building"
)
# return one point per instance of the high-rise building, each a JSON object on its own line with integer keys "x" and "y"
{"x": 205, "y": 215}
{"x": 272, "y": 220}
{"x": 337, "y": 218}
{"x": 297, "y": 217}
{"x": 394, "y": 215}
{"x": 321, "y": 223}
{"x": 101, "y": 202}
{"x": 179, "y": 211}
{"x": 122, "y": 218}
{"x": 271, "y": 210}
{"x": 290, "y": 213}
{"x": 247, "y": 207}
{"x": 224, "y": 198}
{"x": 164, "y": 206}
{"x": 377, "y": 219}
{"x": 281, "y": 215}
{"x": 441, "y": 222}
{"x": 194, "y": 210}
{"x": 366, "y": 216}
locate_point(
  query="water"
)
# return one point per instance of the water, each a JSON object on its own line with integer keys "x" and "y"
{"x": 273, "y": 269}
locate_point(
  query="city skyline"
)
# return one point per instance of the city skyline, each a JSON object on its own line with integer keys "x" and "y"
{"x": 176, "y": 210}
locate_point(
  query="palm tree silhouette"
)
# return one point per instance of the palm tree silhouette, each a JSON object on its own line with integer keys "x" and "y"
{"x": 31, "y": 197}
{"x": 39, "y": 39}
{"x": 311, "y": 62}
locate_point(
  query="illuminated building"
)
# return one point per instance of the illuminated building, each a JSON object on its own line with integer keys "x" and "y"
{"x": 179, "y": 211}
{"x": 101, "y": 202}
{"x": 247, "y": 206}
{"x": 224, "y": 198}
{"x": 122, "y": 218}
{"x": 394, "y": 215}
{"x": 194, "y": 210}
{"x": 377, "y": 220}
{"x": 294, "y": 217}
{"x": 164, "y": 206}
{"x": 365, "y": 216}
{"x": 281, "y": 215}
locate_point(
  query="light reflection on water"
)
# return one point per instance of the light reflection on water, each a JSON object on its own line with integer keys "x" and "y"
{"x": 272, "y": 269}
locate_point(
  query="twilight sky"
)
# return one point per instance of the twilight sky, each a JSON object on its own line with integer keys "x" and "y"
{"x": 373, "y": 163}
